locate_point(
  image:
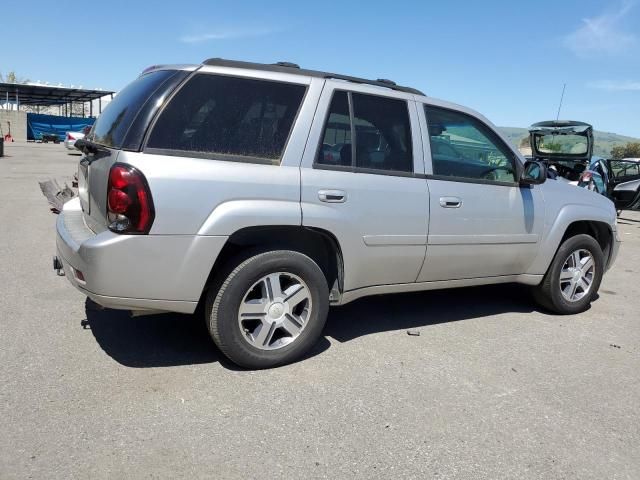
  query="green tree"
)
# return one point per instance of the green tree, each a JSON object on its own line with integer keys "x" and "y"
{"x": 630, "y": 150}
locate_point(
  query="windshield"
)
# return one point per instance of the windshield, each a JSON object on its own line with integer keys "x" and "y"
{"x": 564, "y": 144}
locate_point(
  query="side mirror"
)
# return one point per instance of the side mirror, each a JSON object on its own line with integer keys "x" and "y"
{"x": 534, "y": 173}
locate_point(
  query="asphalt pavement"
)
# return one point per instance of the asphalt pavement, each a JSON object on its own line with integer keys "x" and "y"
{"x": 492, "y": 387}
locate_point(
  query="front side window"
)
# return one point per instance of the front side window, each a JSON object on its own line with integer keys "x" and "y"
{"x": 379, "y": 126}
{"x": 463, "y": 147}
{"x": 229, "y": 118}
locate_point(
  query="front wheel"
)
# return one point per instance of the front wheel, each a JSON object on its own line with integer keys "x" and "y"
{"x": 573, "y": 278}
{"x": 270, "y": 310}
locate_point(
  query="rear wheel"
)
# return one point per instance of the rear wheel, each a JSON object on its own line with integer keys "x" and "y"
{"x": 270, "y": 309}
{"x": 574, "y": 276}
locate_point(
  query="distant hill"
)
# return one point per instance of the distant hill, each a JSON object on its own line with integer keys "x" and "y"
{"x": 605, "y": 141}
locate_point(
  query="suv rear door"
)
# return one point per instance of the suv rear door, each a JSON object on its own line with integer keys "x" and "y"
{"x": 360, "y": 182}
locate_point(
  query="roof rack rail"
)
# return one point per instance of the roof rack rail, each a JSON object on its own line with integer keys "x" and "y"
{"x": 288, "y": 67}
{"x": 288, "y": 64}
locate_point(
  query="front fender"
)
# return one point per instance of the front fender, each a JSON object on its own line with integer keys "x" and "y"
{"x": 554, "y": 231}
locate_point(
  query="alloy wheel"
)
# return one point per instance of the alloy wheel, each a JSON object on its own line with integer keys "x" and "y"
{"x": 275, "y": 311}
{"x": 577, "y": 274}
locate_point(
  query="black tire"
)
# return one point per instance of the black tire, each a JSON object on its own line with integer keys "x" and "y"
{"x": 222, "y": 308}
{"x": 548, "y": 294}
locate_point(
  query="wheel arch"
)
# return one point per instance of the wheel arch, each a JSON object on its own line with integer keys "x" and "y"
{"x": 575, "y": 220}
{"x": 318, "y": 244}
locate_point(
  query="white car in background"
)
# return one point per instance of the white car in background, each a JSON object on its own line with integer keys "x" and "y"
{"x": 71, "y": 137}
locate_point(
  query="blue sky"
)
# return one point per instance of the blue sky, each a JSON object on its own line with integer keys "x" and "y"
{"x": 506, "y": 59}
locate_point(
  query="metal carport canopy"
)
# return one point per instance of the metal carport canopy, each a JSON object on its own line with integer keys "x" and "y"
{"x": 44, "y": 95}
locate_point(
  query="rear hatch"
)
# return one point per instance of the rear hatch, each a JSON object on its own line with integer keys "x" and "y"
{"x": 565, "y": 145}
{"x": 121, "y": 126}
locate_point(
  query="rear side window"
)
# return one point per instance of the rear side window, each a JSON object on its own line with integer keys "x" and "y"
{"x": 113, "y": 123}
{"x": 380, "y": 127}
{"x": 336, "y": 143}
{"x": 228, "y": 118}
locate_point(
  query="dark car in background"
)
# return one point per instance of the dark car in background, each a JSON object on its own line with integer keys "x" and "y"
{"x": 618, "y": 180}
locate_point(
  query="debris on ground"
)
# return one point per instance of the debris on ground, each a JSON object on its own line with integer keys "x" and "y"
{"x": 56, "y": 195}
{"x": 413, "y": 333}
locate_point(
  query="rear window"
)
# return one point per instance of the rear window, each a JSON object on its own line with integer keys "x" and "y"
{"x": 113, "y": 123}
{"x": 228, "y": 118}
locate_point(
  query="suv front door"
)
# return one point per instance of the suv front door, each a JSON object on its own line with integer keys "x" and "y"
{"x": 359, "y": 182}
{"x": 482, "y": 223}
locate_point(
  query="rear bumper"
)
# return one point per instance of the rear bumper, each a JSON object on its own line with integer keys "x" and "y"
{"x": 134, "y": 272}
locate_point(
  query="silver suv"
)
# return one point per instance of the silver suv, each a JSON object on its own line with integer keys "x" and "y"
{"x": 267, "y": 193}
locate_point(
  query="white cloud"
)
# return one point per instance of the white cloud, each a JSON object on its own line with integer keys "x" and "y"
{"x": 226, "y": 34}
{"x": 603, "y": 34}
{"x": 615, "y": 86}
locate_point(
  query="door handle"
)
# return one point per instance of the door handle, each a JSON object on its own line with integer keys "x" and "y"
{"x": 332, "y": 196}
{"x": 450, "y": 202}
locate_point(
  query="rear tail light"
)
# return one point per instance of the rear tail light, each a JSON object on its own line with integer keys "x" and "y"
{"x": 129, "y": 203}
{"x": 70, "y": 137}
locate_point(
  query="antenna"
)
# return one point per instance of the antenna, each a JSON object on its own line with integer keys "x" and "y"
{"x": 561, "y": 98}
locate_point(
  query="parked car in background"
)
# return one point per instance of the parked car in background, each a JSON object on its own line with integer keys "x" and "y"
{"x": 50, "y": 137}
{"x": 207, "y": 185}
{"x": 618, "y": 180}
{"x": 565, "y": 146}
{"x": 70, "y": 138}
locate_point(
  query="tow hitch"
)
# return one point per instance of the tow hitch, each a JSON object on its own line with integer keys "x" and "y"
{"x": 57, "y": 266}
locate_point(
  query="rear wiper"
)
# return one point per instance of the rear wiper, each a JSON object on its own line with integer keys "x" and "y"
{"x": 90, "y": 149}
{"x": 85, "y": 146}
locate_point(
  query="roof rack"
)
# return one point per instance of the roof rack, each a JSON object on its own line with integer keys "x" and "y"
{"x": 288, "y": 67}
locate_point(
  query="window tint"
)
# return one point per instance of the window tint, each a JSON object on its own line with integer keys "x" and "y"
{"x": 114, "y": 122}
{"x": 382, "y": 133}
{"x": 244, "y": 119}
{"x": 462, "y": 146}
{"x": 336, "y": 142}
